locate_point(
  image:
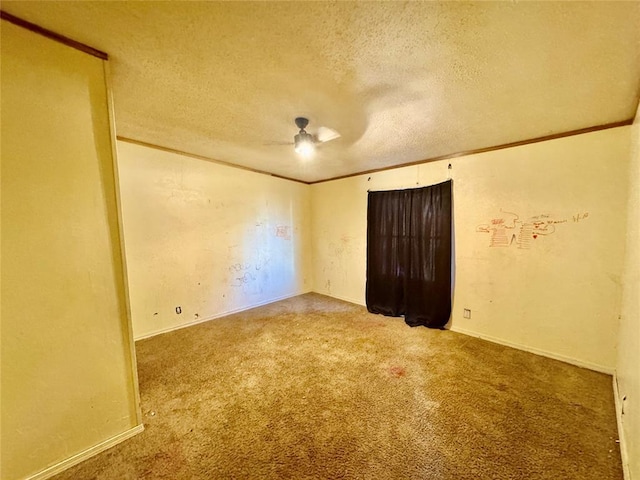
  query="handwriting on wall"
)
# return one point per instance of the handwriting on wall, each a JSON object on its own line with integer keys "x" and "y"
{"x": 509, "y": 229}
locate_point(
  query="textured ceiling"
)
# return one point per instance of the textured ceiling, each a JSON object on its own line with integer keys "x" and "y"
{"x": 401, "y": 82}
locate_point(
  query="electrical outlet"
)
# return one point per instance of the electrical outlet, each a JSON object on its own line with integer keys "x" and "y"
{"x": 467, "y": 313}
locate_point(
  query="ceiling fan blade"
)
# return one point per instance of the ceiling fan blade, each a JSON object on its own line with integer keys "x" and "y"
{"x": 326, "y": 134}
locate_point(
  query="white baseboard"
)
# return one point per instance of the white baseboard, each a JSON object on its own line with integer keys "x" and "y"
{"x": 217, "y": 315}
{"x": 84, "y": 455}
{"x": 340, "y": 297}
{"x": 544, "y": 353}
{"x": 623, "y": 444}
{"x": 573, "y": 361}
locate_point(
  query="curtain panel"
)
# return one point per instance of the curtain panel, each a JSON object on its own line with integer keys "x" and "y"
{"x": 409, "y": 254}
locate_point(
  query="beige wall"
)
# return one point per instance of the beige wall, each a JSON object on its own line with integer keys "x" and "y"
{"x": 628, "y": 367}
{"x": 67, "y": 369}
{"x": 208, "y": 238}
{"x": 558, "y": 294}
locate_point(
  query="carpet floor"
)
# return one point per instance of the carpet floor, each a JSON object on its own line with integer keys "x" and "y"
{"x": 316, "y": 388}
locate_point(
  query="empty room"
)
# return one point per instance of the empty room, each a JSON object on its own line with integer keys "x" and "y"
{"x": 320, "y": 240}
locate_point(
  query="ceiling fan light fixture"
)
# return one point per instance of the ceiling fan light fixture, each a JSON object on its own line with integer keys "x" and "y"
{"x": 304, "y": 144}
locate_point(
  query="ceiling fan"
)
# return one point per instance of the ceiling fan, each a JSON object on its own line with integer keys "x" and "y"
{"x": 305, "y": 143}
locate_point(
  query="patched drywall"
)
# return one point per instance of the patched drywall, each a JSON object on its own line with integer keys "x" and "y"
{"x": 203, "y": 239}
{"x": 539, "y": 241}
{"x": 68, "y": 374}
{"x": 628, "y": 366}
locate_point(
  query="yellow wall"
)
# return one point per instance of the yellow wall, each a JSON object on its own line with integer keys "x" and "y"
{"x": 628, "y": 367}
{"x": 208, "y": 238}
{"x": 67, "y": 369}
{"x": 558, "y": 294}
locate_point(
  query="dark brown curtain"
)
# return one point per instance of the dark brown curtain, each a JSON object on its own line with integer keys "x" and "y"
{"x": 409, "y": 254}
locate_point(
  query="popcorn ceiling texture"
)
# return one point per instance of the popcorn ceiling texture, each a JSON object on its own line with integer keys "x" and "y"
{"x": 401, "y": 81}
{"x": 316, "y": 388}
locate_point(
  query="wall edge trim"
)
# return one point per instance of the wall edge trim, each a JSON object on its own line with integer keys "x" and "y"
{"x": 123, "y": 257}
{"x": 537, "y": 351}
{"x": 466, "y": 153}
{"x": 86, "y": 454}
{"x": 53, "y": 35}
{"x": 218, "y": 315}
{"x": 204, "y": 157}
{"x": 624, "y": 454}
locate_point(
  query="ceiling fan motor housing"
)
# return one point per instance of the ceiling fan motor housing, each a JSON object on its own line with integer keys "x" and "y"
{"x": 302, "y": 122}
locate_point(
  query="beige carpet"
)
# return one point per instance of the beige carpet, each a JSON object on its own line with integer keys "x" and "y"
{"x": 316, "y": 388}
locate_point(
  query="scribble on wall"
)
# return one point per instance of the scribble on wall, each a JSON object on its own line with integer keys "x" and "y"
{"x": 243, "y": 279}
{"x": 509, "y": 229}
{"x": 341, "y": 254}
{"x": 283, "y": 231}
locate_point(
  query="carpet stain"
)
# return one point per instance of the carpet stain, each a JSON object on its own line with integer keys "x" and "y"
{"x": 397, "y": 371}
